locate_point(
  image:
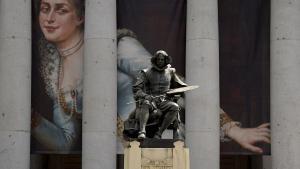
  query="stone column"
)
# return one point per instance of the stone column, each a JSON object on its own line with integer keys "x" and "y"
{"x": 100, "y": 86}
{"x": 202, "y": 68}
{"x": 285, "y": 83}
{"x": 15, "y": 81}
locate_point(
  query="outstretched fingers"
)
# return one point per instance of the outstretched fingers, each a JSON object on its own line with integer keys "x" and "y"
{"x": 264, "y": 125}
{"x": 253, "y": 148}
{"x": 264, "y": 139}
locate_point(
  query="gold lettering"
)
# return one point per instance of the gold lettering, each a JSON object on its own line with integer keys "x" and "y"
{"x": 157, "y": 167}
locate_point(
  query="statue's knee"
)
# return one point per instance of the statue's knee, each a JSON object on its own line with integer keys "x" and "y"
{"x": 174, "y": 107}
{"x": 173, "y": 110}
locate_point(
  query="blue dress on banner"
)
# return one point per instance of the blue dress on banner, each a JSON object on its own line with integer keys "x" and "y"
{"x": 62, "y": 134}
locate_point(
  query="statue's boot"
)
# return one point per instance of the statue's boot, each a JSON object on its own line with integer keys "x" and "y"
{"x": 143, "y": 116}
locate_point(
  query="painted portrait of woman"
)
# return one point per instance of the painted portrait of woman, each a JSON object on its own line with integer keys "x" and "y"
{"x": 61, "y": 54}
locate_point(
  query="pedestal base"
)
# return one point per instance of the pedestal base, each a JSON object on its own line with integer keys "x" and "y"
{"x": 156, "y": 158}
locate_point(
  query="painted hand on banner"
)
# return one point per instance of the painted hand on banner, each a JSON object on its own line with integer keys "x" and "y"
{"x": 249, "y": 137}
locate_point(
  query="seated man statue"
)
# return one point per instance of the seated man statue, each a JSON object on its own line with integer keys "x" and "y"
{"x": 150, "y": 94}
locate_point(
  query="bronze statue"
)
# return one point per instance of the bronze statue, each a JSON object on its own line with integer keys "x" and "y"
{"x": 154, "y": 105}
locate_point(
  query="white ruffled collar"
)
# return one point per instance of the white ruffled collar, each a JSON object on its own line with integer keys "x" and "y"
{"x": 50, "y": 68}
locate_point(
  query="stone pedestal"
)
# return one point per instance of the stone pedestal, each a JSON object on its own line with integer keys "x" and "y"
{"x": 156, "y": 158}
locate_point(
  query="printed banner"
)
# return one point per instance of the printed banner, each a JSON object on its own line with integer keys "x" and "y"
{"x": 244, "y": 53}
{"x": 57, "y": 76}
{"x": 147, "y": 29}
{"x": 144, "y": 28}
{"x": 244, "y": 43}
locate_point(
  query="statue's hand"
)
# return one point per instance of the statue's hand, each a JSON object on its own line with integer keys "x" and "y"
{"x": 248, "y": 137}
{"x": 148, "y": 97}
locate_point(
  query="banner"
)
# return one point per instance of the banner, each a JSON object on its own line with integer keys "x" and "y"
{"x": 244, "y": 44}
{"x": 57, "y": 48}
{"x": 145, "y": 27}
{"x": 244, "y": 55}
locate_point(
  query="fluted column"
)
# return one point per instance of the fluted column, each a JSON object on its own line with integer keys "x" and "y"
{"x": 100, "y": 86}
{"x": 285, "y": 83}
{"x": 202, "y": 68}
{"x": 15, "y": 81}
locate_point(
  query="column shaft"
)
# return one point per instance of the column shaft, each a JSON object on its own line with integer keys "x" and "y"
{"x": 285, "y": 80}
{"x": 100, "y": 86}
{"x": 15, "y": 81}
{"x": 202, "y": 68}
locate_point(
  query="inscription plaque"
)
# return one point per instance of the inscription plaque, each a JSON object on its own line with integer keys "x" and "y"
{"x": 156, "y": 158}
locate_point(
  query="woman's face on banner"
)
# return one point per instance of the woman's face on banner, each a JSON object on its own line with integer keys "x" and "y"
{"x": 58, "y": 19}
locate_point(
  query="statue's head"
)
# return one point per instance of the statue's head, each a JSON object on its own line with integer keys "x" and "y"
{"x": 161, "y": 59}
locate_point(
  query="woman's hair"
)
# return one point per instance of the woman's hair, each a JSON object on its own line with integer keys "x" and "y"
{"x": 80, "y": 10}
{"x": 80, "y": 7}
